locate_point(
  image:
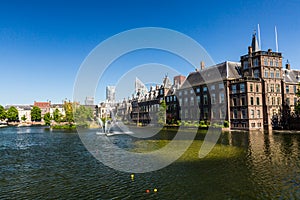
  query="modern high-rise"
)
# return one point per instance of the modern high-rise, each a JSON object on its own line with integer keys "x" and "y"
{"x": 110, "y": 93}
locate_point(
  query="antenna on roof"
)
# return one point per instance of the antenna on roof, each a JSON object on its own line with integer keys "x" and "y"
{"x": 258, "y": 33}
{"x": 276, "y": 40}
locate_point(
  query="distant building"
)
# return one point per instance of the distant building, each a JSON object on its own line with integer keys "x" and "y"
{"x": 110, "y": 93}
{"x": 89, "y": 101}
{"x": 44, "y": 106}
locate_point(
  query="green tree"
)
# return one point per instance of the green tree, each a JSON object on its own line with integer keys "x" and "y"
{"x": 2, "y": 113}
{"x": 162, "y": 113}
{"x": 12, "y": 114}
{"x": 47, "y": 119}
{"x": 83, "y": 116}
{"x": 68, "y": 106}
{"x": 23, "y": 118}
{"x": 57, "y": 116}
{"x": 36, "y": 115}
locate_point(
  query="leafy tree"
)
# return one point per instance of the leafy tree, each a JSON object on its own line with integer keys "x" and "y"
{"x": 47, "y": 119}
{"x": 2, "y": 113}
{"x": 36, "y": 115}
{"x": 162, "y": 113}
{"x": 12, "y": 114}
{"x": 83, "y": 116}
{"x": 23, "y": 118}
{"x": 69, "y": 112}
{"x": 57, "y": 116}
{"x": 297, "y": 106}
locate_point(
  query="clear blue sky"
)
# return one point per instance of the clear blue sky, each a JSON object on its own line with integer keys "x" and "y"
{"x": 43, "y": 43}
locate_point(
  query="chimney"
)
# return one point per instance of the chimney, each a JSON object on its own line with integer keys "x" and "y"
{"x": 202, "y": 65}
{"x": 249, "y": 50}
{"x": 288, "y": 66}
{"x": 269, "y": 50}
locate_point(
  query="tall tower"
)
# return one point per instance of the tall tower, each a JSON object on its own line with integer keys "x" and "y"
{"x": 110, "y": 94}
{"x": 265, "y": 66}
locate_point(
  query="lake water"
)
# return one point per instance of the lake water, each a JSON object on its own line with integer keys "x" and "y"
{"x": 36, "y": 163}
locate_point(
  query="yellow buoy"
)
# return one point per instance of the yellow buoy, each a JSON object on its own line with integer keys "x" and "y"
{"x": 132, "y": 176}
{"x": 155, "y": 190}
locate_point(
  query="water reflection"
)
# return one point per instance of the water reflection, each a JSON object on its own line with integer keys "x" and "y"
{"x": 36, "y": 164}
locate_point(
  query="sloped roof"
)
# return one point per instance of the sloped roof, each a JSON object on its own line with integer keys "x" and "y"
{"x": 291, "y": 76}
{"x": 222, "y": 71}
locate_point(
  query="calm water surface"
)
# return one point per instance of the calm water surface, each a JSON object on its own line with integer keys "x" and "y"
{"x": 36, "y": 163}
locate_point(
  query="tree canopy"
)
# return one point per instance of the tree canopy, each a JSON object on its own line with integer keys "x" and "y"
{"x": 83, "y": 116}
{"x": 57, "y": 116}
{"x": 2, "y": 113}
{"x": 36, "y": 115}
{"x": 47, "y": 119}
{"x": 12, "y": 114}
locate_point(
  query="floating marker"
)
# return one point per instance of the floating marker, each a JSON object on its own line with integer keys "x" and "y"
{"x": 155, "y": 190}
{"x": 132, "y": 176}
{"x": 147, "y": 191}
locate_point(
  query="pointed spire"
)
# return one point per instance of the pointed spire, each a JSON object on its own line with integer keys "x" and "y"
{"x": 254, "y": 43}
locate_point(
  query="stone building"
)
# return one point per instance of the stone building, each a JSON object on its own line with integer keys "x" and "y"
{"x": 247, "y": 94}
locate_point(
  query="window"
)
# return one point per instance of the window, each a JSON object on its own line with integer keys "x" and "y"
{"x": 244, "y": 114}
{"x": 277, "y": 88}
{"x": 252, "y": 113}
{"x": 213, "y": 98}
{"x": 288, "y": 101}
{"x": 276, "y": 63}
{"x": 161, "y": 91}
{"x": 198, "y": 99}
{"x": 222, "y": 114}
{"x": 271, "y": 62}
{"x": 243, "y": 99}
{"x": 295, "y": 89}
{"x": 191, "y": 91}
{"x": 278, "y": 101}
{"x": 186, "y": 100}
{"x": 246, "y": 65}
{"x": 197, "y": 90}
{"x": 251, "y": 101}
{"x": 295, "y": 101}
{"x": 212, "y": 87}
{"x": 251, "y": 87}
{"x": 234, "y": 102}
{"x": 277, "y": 73}
{"x": 242, "y": 87}
{"x": 257, "y": 101}
{"x": 185, "y": 92}
{"x": 255, "y": 62}
{"x": 273, "y": 100}
{"x": 235, "y": 113}
{"x": 252, "y": 125}
{"x": 205, "y": 113}
{"x": 257, "y": 88}
{"x": 204, "y": 89}
{"x": 221, "y": 85}
{"x": 205, "y": 99}
{"x": 180, "y": 101}
{"x": 174, "y": 98}
{"x": 180, "y": 93}
{"x": 266, "y": 73}
{"x": 192, "y": 101}
{"x": 259, "y": 125}
{"x": 265, "y": 61}
{"x": 222, "y": 97}
{"x": 287, "y": 89}
{"x": 256, "y": 73}
{"x": 272, "y": 73}
{"x": 258, "y": 113}
{"x": 233, "y": 88}
{"x": 272, "y": 88}
{"x": 167, "y": 99}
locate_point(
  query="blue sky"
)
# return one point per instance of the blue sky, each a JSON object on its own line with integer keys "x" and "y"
{"x": 43, "y": 43}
